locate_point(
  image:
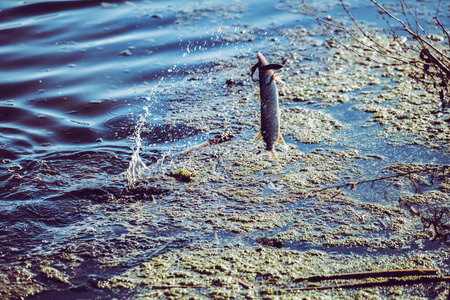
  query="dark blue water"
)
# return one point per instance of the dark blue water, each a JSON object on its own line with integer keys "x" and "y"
{"x": 75, "y": 79}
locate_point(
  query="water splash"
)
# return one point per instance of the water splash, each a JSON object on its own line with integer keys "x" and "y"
{"x": 137, "y": 169}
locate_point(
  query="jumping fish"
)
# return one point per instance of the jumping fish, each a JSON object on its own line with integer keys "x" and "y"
{"x": 270, "y": 111}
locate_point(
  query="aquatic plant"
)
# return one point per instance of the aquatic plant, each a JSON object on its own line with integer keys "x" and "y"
{"x": 431, "y": 208}
{"x": 420, "y": 57}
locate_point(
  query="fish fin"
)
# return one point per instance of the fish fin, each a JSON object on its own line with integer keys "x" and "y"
{"x": 281, "y": 140}
{"x": 258, "y": 137}
{"x": 277, "y": 112}
{"x": 253, "y": 69}
{"x": 271, "y": 67}
{"x": 278, "y": 79}
{"x": 274, "y": 76}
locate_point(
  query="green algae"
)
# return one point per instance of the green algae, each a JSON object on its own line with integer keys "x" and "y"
{"x": 213, "y": 272}
{"x": 18, "y": 282}
{"x": 315, "y": 126}
{"x": 53, "y": 273}
{"x": 403, "y": 109}
{"x": 183, "y": 175}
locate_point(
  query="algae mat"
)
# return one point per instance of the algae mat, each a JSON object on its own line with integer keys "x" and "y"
{"x": 248, "y": 224}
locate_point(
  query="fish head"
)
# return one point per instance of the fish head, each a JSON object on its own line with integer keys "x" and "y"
{"x": 261, "y": 59}
{"x": 263, "y": 65}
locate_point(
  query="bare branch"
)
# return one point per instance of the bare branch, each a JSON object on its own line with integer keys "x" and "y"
{"x": 371, "y": 274}
{"x": 416, "y": 36}
{"x": 353, "y": 184}
{"x": 387, "y": 282}
{"x": 322, "y": 21}
{"x": 443, "y": 29}
{"x": 429, "y": 63}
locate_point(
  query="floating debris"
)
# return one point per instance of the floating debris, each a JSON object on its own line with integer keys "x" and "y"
{"x": 182, "y": 175}
{"x": 126, "y": 53}
{"x": 220, "y": 138}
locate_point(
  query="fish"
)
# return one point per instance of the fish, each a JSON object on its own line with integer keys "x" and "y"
{"x": 270, "y": 110}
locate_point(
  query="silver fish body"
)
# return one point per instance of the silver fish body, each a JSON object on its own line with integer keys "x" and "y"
{"x": 270, "y": 111}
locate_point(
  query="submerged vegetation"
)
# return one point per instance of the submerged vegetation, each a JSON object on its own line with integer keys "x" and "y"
{"x": 348, "y": 195}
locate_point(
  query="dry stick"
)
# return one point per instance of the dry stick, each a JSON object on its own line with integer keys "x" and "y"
{"x": 402, "y": 5}
{"x": 319, "y": 20}
{"x": 368, "y": 36}
{"x": 443, "y": 29}
{"x": 164, "y": 287}
{"x": 434, "y": 60}
{"x": 405, "y": 47}
{"x": 337, "y": 194}
{"x": 384, "y": 50}
{"x": 244, "y": 282}
{"x": 220, "y": 138}
{"x": 417, "y": 188}
{"x": 388, "y": 282}
{"x": 369, "y": 274}
{"x": 416, "y": 36}
{"x": 411, "y": 209}
{"x": 409, "y": 30}
{"x": 415, "y": 19}
{"x": 358, "y": 40}
{"x": 437, "y": 8}
{"x": 354, "y": 183}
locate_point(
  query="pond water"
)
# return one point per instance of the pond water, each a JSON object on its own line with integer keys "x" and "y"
{"x": 96, "y": 97}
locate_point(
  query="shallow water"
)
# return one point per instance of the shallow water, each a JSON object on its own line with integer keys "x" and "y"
{"x": 87, "y": 84}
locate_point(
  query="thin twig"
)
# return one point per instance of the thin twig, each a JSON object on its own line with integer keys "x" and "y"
{"x": 409, "y": 30}
{"x": 166, "y": 287}
{"x": 322, "y": 21}
{"x": 354, "y": 183}
{"x": 220, "y": 138}
{"x": 244, "y": 282}
{"x": 368, "y": 36}
{"x": 371, "y": 274}
{"x": 430, "y": 67}
{"x": 388, "y": 282}
{"x": 443, "y": 29}
{"x": 414, "y": 17}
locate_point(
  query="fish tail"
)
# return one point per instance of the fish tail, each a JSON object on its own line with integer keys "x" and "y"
{"x": 259, "y": 138}
{"x": 270, "y": 153}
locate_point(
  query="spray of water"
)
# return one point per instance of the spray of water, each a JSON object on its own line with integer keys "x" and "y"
{"x": 137, "y": 169}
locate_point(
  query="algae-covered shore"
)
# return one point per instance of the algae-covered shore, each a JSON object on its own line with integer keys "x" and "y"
{"x": 227, "y": 222}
